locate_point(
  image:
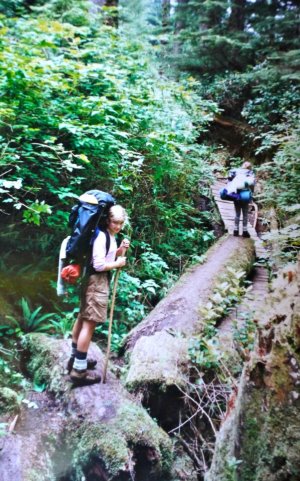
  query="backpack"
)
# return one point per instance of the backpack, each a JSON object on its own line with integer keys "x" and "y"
{"x": 87, "y": 217}
{"x": 240, "y": 185}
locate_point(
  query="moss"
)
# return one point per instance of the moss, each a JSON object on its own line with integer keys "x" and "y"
{"x": 278, "y": 377}
{"x": 36, "y": 475}
{"x": 183, "y": 467}
{"x": 9, "y": 401}
{"x": 131, "y": 429}
{"x": 158, "y": 362}
{"x": 270, "y": 422}
{"x": 271, "y": 438}
{"x": 44, "y": 362}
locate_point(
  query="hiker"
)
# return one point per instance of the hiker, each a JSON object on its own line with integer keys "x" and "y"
{"x": 241, "y": 181}
{"x": 93, "y": 307}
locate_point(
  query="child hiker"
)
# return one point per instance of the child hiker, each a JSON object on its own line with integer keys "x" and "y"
{"x": 242, "y": 182}
{"x": 93, "y": 307}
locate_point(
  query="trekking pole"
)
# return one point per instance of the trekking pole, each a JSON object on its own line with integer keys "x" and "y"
{"x": 111, "y": 314}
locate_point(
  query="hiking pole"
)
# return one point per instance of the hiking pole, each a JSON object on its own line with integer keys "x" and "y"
{"x": 111, "y": 314}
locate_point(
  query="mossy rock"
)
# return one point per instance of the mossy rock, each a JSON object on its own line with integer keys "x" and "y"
{"x": 126, "y": 440}
{"x": 9, "y": 401}
{"x": 46, "y": 364}
{"x": 104, "y": 426}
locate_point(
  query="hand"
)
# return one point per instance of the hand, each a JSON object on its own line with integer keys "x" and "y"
{"x": 125, "y": 244}
{"x": 120, "y": 262}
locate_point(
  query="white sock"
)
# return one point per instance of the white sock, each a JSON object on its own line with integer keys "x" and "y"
{"x": 80, "y": 364}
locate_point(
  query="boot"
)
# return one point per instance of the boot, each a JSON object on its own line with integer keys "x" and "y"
{"x": 235, "y": 233}
{"x": 246, "y": 234}
{"x": 82, "y": 378}
{"x": 91, "y": 364}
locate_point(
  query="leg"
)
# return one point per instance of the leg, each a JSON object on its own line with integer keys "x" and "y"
{"x": 76, "y": 330}
{"x": 238, "y": 208}
{"x": 79, "y": 374}
{"x": 245, "y": 206}
{"x": 85, "y": 336}
{"x": 91, "y": 363}
{"x": 93, "y": 310}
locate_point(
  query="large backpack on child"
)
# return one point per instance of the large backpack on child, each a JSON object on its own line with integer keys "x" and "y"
{"x": 87, "y": 217}
{"x": 89, "y": 213}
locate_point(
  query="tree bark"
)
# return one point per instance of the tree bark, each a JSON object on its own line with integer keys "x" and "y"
{"x": 166, "y": 6}
{"x": 237, "y": 16}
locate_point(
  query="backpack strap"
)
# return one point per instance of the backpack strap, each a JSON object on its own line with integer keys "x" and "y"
{"x": 91, "y": 270}
{"x": 107, "y": 244}
{"x": 107, "y": 238}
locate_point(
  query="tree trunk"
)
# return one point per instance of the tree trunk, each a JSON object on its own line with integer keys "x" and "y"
{"x": 237, "y": 16}
{"x": 166, "y": 6}
{"x": 109, "y": 18}
{"x": 159, "y": 344}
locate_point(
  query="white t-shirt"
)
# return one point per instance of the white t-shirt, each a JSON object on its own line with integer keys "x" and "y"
{"x": 100, "y": 258}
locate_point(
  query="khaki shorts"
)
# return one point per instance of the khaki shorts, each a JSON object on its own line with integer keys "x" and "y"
{"x": 94, "y": 305}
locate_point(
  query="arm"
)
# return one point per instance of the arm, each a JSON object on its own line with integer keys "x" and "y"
{"x": 103, "y": 262}
{"x": 123, "y": 247}
{"x": 119, "y": 262}
{"x": 231, "y": 174}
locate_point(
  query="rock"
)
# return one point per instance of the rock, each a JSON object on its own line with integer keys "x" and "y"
{"x": 104, "y": 431}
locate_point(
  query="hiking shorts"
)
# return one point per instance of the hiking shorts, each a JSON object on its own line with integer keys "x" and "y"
{"x": 94, "y": 303}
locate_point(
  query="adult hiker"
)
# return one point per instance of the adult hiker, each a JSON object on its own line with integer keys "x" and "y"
{"x": 241, "y": 182}
{"x": 93, "y": 307}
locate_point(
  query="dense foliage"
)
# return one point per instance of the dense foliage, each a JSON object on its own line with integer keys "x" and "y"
{"x": 82, "y": 107}
{"x": 245, "y": 54}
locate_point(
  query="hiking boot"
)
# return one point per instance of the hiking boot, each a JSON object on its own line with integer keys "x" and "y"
{"x": 91, "y": 364}
{"x": 82, "y": 378}
{"x": 246, "y": 234}
{"x": 235, "y": 233}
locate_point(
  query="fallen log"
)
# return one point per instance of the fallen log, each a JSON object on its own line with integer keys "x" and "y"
{"x": 260, "y": 436}
{"x": 158, "y": 346}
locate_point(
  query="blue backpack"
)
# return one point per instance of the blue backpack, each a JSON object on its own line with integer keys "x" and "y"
{"x": 245, "y": 195}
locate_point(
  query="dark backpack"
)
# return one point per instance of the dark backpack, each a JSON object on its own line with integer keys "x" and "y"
{"x": 85, "y": 219}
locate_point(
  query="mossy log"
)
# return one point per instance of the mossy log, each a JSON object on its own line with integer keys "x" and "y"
{"x": 100, "y": 432}
{"x": 260, "y": 438}
{"x": 160, "y": 340}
